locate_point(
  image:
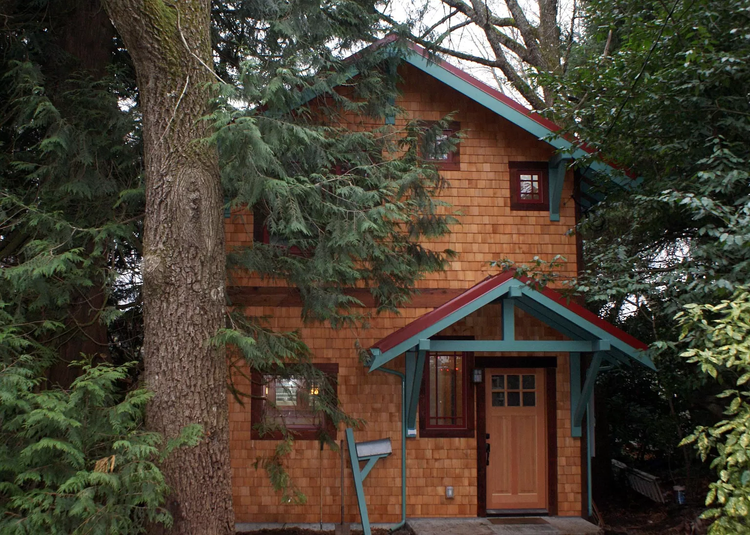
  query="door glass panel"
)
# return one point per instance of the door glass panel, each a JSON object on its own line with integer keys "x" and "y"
{"x": 514, "y": 398}
{"x": 498, "y": 382}
{"x": 529, "y": 382}
{"x": 513, "y": 382}
{"x": 498, "y": 399}
{"x": 529, "y": 399}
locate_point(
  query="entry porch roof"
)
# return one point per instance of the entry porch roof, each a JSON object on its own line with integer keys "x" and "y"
{"x": 586, "y": 331}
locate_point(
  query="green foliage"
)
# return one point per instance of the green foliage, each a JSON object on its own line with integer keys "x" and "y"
{"x": 719, "y": 341}
{"x": 669, "y": 103}
{"x": 77, "y": 461}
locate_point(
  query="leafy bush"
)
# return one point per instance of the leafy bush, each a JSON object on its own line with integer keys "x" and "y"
{"x": 77, "y": 461}
{"x": 719, "y": 337}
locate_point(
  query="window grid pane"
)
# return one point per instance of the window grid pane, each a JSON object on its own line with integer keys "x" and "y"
{"x": 446, "y": 390}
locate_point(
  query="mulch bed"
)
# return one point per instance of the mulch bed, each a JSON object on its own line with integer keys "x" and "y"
{"x": 633, "y": 514}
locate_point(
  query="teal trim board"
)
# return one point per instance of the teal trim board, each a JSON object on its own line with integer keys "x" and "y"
{"x": 558, "y": 165}
{"x": 414, "y": 372}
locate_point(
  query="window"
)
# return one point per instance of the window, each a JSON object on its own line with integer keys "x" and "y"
{"x": 513, "y": 390}
{"x": 291, "y": 401}
{"x": 261, "y": 233}
{"x": 447, "y": 401}
{"x": 528, "y": 185}
{"x": 440, "y": 147}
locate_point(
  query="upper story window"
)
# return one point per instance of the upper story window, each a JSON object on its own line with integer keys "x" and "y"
{"x": 447, "y": 402}
{"x": 440, "y": 147}
{"x": 528, "y": 185}
{"x": 293, "y": 402}
{"x": 261, "y": 234}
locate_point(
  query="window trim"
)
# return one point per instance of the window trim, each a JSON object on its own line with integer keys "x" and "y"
{"x": 519, "y": 168}
{"x": 330, "y": 370}
{"x": 453, "y": 161}
{"x": 466, "y": 431}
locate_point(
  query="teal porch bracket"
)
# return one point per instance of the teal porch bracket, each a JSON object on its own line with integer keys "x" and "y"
{"x": 580, "y": 397}
{"x": 509, "y": 319}
{"x": 558, "y": 166}
{"x": 414, "y": 371}
{"x": 575, "y": 392}
{"x": 359, "y": 476}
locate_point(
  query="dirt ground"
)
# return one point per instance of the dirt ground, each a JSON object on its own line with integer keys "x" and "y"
{"x": 635, "y": 515}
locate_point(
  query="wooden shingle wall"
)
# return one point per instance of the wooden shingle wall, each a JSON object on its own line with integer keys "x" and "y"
{"x": 489, "y": 230}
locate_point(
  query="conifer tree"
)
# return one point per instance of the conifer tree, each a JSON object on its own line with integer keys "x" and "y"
{"x": 356, "y": 202}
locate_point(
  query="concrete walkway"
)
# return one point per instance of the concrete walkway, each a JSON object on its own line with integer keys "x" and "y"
{"x": 552, "y": 525}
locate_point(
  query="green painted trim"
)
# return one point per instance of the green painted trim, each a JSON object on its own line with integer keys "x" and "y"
{"x": 358, "y": 488}
{"x": 558, "y": 166}
{"x": 489, "y": 102}
{"x": 595, "y": 332}
{"x": 509, "y": 320}
{"x": 587, "y": 390}
{"x": 489, "y": 297}
{"x": 414, "y": 373}
{"x": 521, "y": 346}
{"x": 370, "y": 463}
{"x": 575, "y": 392}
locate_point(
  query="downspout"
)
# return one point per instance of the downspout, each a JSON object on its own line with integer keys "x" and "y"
{"x": 403, "y": 446}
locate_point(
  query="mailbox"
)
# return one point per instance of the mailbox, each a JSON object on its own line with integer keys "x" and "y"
{"x": 372, "y": 448}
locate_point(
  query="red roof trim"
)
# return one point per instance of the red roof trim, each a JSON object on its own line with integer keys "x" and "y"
{"x": 490, "y": 283}
{"x": 494, "y": 93}
{"x": 444, "y": 310}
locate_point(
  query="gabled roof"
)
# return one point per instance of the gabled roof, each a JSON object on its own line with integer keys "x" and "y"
{"x": 492, "y": 99}
{"x": 568, "y": 318}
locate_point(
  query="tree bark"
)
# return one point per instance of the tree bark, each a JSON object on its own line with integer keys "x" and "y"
{"x": 183, "y": 253}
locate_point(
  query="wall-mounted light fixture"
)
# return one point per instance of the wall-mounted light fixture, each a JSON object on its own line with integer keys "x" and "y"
{"x": 449, "y": 493}
{"x": 477, "y": 375}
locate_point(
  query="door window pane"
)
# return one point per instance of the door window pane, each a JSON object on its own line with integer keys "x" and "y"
{"x": 529, "y": 382}
{"x": 498, "y": 382}
{"x": 529, "y": 399}
{"x": 498, "y": 399}
{"x": 514, "y": 399}
{"x": 514, "y": 382}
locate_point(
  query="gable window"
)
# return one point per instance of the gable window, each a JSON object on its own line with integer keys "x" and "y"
{"x": 440, "y": 147}
{"x": 293, "y": 402}
{"x": 528, "y": 185}
{"x": 447, "y": 401}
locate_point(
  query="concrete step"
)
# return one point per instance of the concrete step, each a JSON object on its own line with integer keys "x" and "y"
{"x": 549, "y": 525}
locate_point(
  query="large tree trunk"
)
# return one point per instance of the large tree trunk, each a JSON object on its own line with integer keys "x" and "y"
{"x": 183, "y": 253}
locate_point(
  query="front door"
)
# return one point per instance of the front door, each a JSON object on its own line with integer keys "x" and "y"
{"x": 516, "y": 439}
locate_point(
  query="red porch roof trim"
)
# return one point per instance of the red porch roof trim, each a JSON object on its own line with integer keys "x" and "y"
{"x": 426, "y": 324}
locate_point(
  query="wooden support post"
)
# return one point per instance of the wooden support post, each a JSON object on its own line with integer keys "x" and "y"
{"x": 414, "y": 372}
{"x": 579, "y": 409}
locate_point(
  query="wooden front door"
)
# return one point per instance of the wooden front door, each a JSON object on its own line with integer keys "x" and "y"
{"x": 516, "y": 438}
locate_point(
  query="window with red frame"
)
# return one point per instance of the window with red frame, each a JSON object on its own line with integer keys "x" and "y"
{"x": 292, "y": 402}
{"x": 528, "y": 185}
{"x": 447, "y": 401}
{"x": 439, "y": 147}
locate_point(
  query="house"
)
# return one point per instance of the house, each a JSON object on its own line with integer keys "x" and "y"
{"x": 487, "y": 377}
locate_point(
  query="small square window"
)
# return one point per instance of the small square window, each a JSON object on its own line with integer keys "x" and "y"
{"x": 292, "y": 402}
{"x": 440, "y": 147}
{"x": 528, "y": 186}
